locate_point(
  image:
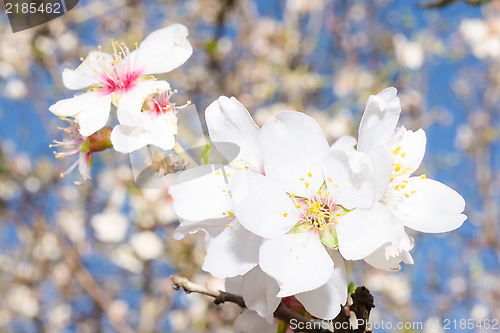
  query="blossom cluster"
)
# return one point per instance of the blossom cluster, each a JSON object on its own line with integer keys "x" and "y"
{"x": 124, "y": 79}
{"x": 283, "y": 216}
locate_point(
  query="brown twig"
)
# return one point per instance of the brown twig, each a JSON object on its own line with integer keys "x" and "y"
{"x": 362, "y": 305}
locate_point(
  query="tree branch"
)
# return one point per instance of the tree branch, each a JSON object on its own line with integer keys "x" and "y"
{"x": 362, "y": 305}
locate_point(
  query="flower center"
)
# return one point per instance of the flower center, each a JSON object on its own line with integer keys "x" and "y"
{"x": 317, "y": 211}
{"x": 116, "y": 75}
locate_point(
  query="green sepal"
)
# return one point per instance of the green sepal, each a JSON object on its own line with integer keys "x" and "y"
{"x": 299, "y": 228}
{"x": 350, "y": 288}
{"x": 204, "y": 154}
{"x": 282, "y": 327}
{"x": 328, "y": 236}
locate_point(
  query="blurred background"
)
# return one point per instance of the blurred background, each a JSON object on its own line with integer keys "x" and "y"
{"x": 97, "y": 257}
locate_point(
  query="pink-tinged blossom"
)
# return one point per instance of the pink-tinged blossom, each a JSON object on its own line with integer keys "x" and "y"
{"x": 77, "y": 144}
{"x": 125, "y": 75}
{"x": 155, "y": 125}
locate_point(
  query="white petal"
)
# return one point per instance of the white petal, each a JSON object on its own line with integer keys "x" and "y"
{"x": 233, "y": 252}
{"x": 378, "y": 135}
{"x": 257, "y": 289}
{"x": 391, "y": 263}
{"x": 382, "y": 108}
{"x": 213, "y": 227}
{"x": 250, "y": 322}
{"x": 84, "y": 165}
{"x": 203, "y": 195}
{"x": 344, "y": 143}
{"x": 298, "y": 262}
{"x": 229, "y": 121}
{"x": 349, "y": 178}
{"x": 86, "y": 74}
{"x": 132, "y": 100}
{"x": 432, "y": 207}
{"x": 382, "y": 160}
{"x": 409, "y": 147}
{"x": 90, "y": 109}
{"x": 159, "y": 131}
{"x": 293, "y": 147}
{"x": 127, "y": 139}
{"x": 362, "y": 231}
{"x": 162, "y": 51}
{"x": 326, "y": 301}
{"x": 262, "y": 205}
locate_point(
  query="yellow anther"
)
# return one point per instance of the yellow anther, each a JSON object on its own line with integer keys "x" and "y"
{"x": 412, "y": 192}
{"x": 229, "y": 175}
{"x": 329, "y": 179}
{"x": 223, "y": 213}
{"x": 246, "y": 167}
{"x": 301, "y": 178}
{"x": 396, "y": 151}
{"x": 298, "y": 206}
{"x": 218, "y": 173}
{"x": 338, "y": 215}
{"x": 407, "y": 195}
{"x": 188, "y": 102}
{"x": 304, "y": 227}
{"x": 319, "y": 192}
{"x": 422, "y": 176}
{"x": 309, "y": 174}
{"x": 99, "y": 47}
{"x": 230, "y": 213}
{"x": 61, "y": 175}
{"x": 307, "y": 184}
{"x": 322, "y": 227}
{"x": 397, "y": 167}
{"x": 403, "y": 154}
{"x": 285, "y": 215}
{"x": 292, "y": 195}
{"x": 336, "y": 186}
{"x": 81, "y": 59}
{"x": 227, "y": 225}
{"x": 229, "y": 219}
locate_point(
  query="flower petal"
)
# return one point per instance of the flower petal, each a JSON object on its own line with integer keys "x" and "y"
{"x": 203, "y": 194}
{"x": 382, "y": 108}
{"x": 349, "y": 178}
{"x": 162, "y": 51}
{"x": 90, "y": 109}
{"x": 408, "y": 151}
{"x": 298, "y": 262}
{"x": 362, "y": 231}
{"x": 426, "y": 205}
{"x": 250, "y": 322}
{"x": 87, "y": 73}
{"x": 262, "y": 205}
{"x": 344, "y": 143}
{"x": 132, "y": 100}
{"x": 326, "y": 301}
{"x": 213, "y": 227}
{"x": 233, "y": 252}
{"x": 84, "y": 165}
{"x": 127, "y": 139}
{"x": 382, "y": 162}
{"x": 388, "y": 257}
{"x": 293, "y": 147}
{"x": 257, "y": 289}
{"x": 229, "y": 121}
